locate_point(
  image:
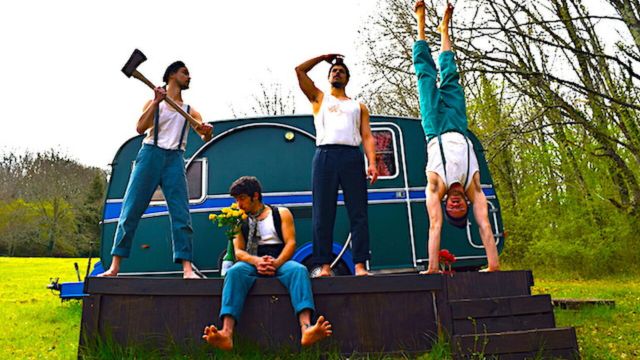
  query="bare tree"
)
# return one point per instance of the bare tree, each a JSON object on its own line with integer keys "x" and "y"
{"x": 273, "y": 100}
{"x": 270, "y": 100}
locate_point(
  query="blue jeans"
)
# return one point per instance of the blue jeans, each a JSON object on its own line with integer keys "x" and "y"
{"x": 339, "y": 166}
{"x": 156, "y": 166}
{"x": 240, "y": 278}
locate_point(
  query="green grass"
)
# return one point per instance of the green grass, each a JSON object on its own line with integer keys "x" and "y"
{"x": 603, "y": 332}
{"x": 107, "y": 349}
{"x": 36, "y": 325}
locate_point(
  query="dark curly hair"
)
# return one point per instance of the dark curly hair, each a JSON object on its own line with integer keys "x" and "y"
{"x": 246, "y": 185}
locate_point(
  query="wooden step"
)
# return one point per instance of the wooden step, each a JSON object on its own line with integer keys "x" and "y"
{"x": 577, "y": 304}
{"x": 529, "y": 344}
{"x": 501, "y": 314}
{"x": 477, "y": 285}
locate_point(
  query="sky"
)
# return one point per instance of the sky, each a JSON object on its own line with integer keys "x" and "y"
{"x": 61, "y": 62}
{"x": 63, "y": 87}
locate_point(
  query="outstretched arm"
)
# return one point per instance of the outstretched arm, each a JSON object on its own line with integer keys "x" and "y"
{"x": 435, "y": 192}
{"x": 481, "y": 214}
{"x": 306, "y": 84}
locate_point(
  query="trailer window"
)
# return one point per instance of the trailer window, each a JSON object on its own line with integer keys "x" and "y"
{"x": 386, "y": 153}
{"x": 195, "y": 183}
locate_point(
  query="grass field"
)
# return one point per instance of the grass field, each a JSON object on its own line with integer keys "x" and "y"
{"x": 603, "y": 332}
{"x": 36, "y": 325}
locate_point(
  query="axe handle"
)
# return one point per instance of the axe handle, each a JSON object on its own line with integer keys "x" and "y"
{"x": 136, "y": 74}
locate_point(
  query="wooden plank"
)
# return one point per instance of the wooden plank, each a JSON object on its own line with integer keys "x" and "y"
{"x": 154, "y": 320}
{"x": 380, "y": 322}
{"x": 556, "y": 354}
{"x": 475, "y": 285}
{"x": 266, "y": 286}
{"x": 516, "y": 341}
{"x": 575, "y": 304}
{"x": 503, "y": 324}
{"x": 443, "y": 312}
{"x": 89, "y": 326}
{"x": 500, "y": 306}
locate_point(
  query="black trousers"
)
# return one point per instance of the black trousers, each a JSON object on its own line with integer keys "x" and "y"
{"x": 339, "y": 166}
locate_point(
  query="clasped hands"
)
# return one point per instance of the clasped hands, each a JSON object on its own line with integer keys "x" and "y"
{"x": 266, "y": 265}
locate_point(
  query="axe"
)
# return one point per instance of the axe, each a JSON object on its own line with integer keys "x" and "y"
{"x": 130, "y": 69}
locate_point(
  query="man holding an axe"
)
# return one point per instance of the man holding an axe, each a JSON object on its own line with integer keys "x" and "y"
{"x": 160, "y": 162}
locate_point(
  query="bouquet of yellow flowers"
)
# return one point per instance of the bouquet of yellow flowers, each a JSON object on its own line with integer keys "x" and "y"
{"x": 231, "y": 218}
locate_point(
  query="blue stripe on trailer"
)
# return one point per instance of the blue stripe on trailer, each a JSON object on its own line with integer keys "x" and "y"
{"x": 112, "y": 209}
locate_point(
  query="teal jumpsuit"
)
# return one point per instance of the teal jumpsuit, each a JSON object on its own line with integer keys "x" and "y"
{"x": 442, "y": 109}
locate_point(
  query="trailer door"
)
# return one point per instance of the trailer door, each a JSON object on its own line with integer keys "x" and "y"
{"x": 390, "y": 228}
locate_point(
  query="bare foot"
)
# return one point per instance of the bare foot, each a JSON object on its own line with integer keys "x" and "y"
{"x": 444, "y": 25}
{"x": 427, "y": 272}
{"x": 219, "y": 339}
{"x": 361, "y": 270}
{"x": 317, "y": 332}
{"x": 325, "y": 271}
{"x": 490, "y": 269}
{"x": 190, "y": 275}
{"x": 109, "y": 273}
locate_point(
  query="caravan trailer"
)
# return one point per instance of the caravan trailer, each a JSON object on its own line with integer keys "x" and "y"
{"x": 278, "y": 150}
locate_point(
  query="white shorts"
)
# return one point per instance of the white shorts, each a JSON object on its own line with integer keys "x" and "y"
{"x": 455, "y": 152}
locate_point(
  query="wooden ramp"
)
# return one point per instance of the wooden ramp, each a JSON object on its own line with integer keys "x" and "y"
{"x": 378, "y": 314}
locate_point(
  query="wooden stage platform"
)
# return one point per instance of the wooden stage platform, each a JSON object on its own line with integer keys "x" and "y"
{"x": 492, "y": 313}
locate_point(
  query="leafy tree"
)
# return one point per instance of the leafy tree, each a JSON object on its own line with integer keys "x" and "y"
{"x": 49, "y": 204}
{"x": 556, "y": 108}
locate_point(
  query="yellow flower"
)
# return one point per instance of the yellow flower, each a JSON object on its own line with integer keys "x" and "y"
{"x": 234, "y": 205}
{"x": 244, "y": 216}
{"x": 212, "y": 217}
{"x": 226, "y": 210}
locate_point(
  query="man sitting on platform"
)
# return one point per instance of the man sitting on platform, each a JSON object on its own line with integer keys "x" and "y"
{"x": 264, "y": 248}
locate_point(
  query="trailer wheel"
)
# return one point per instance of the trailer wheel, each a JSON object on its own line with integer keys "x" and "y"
{"x": 340, "y": 269}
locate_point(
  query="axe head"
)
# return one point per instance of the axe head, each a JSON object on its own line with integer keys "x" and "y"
{"x": 137, "y": 58}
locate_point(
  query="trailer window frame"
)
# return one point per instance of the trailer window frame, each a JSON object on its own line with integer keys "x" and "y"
{"x": 393, "y": 151}
{"x": 158, "y": 197}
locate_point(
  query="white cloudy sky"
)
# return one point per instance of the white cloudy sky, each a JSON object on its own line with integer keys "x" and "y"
{"x": 61, "y": 60}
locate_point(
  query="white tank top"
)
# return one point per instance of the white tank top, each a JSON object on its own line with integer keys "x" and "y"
{"x": 338, "y": 122}
{"x": 456, "y": 151}
{"x": 268, "y": 234}
{"x": 171, "y": 125}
